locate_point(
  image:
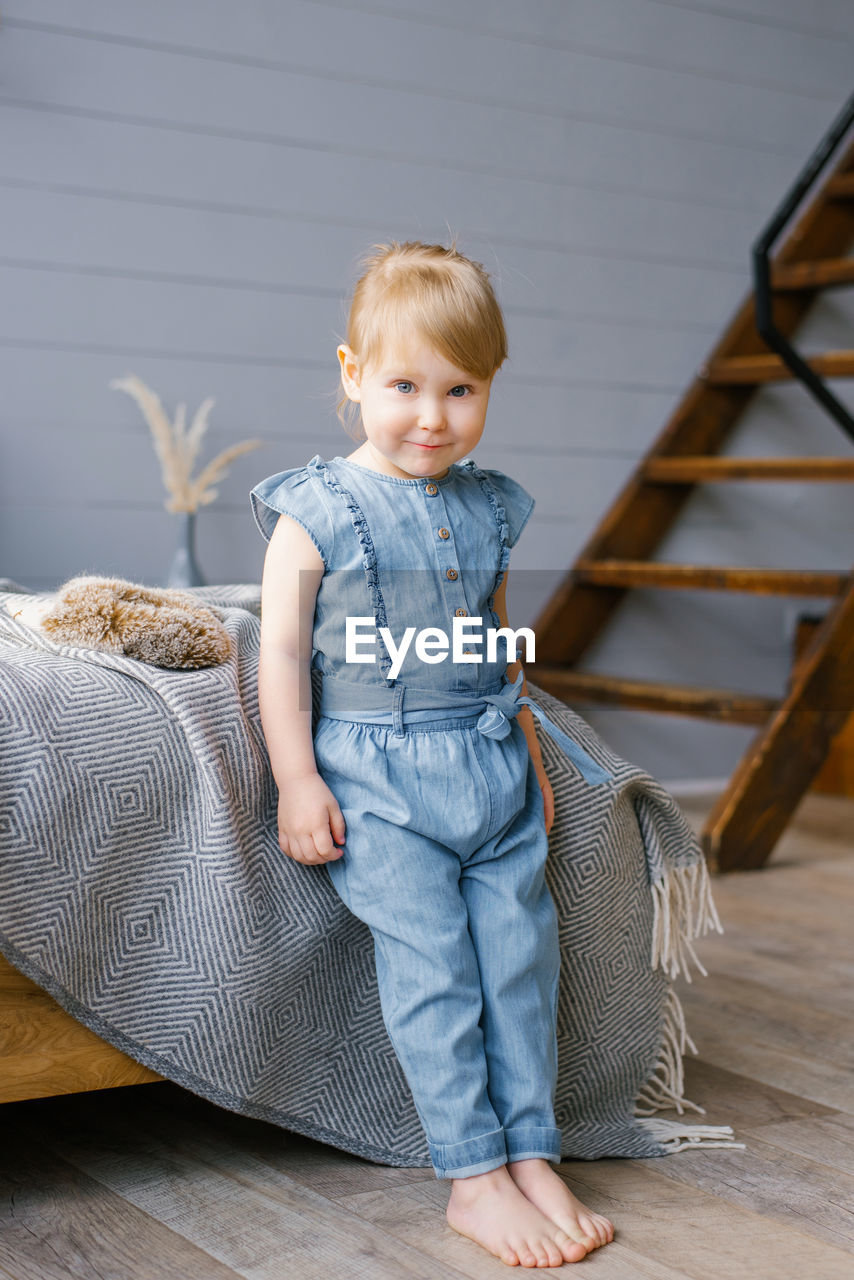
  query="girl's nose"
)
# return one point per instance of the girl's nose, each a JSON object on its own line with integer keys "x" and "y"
{"x": 431, "y": 415}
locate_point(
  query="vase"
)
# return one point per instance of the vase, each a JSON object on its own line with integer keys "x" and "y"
{"x": 184, "y": 571}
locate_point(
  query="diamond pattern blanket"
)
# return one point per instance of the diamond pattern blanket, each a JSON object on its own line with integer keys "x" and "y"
{"x": 142, "y": 886}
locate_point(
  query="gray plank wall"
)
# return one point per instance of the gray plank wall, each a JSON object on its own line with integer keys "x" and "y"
{"x": 186, "y": 188}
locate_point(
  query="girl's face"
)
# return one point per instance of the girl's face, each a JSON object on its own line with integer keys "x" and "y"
{"x": 419, "y": 411}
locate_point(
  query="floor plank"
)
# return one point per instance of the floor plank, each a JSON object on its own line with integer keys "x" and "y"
{"x": 744, "y": 1102}
{"x": 57, "y": 1223}
{"x": 775, "y": 1018}
{"x": 326, "y": 1170}
{"x": 725, "y": 1041}
{"x": 787, "y": 965}
{"x": 828, "y": 1140}
{"x": 781, "y": 1185}
{"x": 415, "y": 1215}
{"x": 238, "y": 1209}
{"x": 153, "y": 1182}
{"x": 700, "y": 1233}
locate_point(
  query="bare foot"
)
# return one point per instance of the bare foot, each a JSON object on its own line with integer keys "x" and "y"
{"x": 540, "y": 1184}
{"x": 491, "y": 1210}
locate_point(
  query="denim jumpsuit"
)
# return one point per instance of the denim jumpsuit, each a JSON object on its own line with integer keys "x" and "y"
{"x": 445, "y": 844}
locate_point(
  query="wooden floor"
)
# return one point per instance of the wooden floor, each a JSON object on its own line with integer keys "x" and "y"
{"x": 150, "y": 1182}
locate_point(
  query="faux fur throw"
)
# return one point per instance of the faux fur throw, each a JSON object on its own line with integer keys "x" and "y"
{"x": 163, "y": 627}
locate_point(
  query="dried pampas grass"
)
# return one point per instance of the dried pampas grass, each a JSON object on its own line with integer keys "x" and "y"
{"x": 177, "y": 447}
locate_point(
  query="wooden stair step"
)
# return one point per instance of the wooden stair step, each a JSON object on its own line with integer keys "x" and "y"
{"x": 742, "y": 370}
{"x": 727, "y": 705}
{"x": 691, "y": 470}
{"x": 780, "y": 763}
{"x": 841, "y": 185}
{"x": 654, "y": 574}
{"x": 819, "y": 274}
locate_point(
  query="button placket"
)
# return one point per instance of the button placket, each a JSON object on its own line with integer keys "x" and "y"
{"x": 446, "y": 551}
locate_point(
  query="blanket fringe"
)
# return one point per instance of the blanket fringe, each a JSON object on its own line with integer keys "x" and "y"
{"x": 683, "y": 910}
{"x": 666, "y": 1086}
{"x": 674, "y": 1136}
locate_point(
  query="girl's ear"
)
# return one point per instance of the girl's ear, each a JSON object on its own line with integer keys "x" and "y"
{"x": 350, "y": 376}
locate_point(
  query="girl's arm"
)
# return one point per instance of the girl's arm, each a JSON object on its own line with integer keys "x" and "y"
{"x": 309, "y": 816}
{"x": 525, "y": 716}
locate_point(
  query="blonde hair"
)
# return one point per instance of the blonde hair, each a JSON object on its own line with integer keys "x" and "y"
{"x": 428, "y": 291}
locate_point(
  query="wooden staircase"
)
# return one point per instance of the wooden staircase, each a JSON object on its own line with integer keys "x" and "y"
{"x": 795, "y": 730}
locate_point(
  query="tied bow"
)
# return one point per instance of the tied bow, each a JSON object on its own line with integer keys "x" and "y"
{"x": 505, "y": 706}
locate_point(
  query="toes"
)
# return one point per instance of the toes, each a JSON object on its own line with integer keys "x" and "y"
{"x": 554, "y": 1255}
{"x": 508, "y": 1256}
{"x": 579, "y": 1235}
{"x": 606, "y": 1227}
{"x": 571, "y": 1250}
{"x": 598, "y": 1227}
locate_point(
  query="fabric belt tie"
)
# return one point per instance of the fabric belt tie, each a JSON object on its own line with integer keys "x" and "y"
{"x": 504, "y": 706}
{"x": 347, "y": 700}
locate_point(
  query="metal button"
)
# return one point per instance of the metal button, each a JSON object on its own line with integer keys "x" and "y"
{"x": 431, "y": 488}
{"x": 461, "y": 613}
{"x": 444, "y": 533}
{"x": 452, "y": 574}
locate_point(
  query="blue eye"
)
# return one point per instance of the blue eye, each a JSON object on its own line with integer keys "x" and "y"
{"x": 402, "y": 383}
{"x": 461, "y": 388}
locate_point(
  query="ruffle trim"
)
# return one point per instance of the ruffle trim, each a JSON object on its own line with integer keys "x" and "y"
{"x": 369, "y": 557}
{"x": 503, "y": 531}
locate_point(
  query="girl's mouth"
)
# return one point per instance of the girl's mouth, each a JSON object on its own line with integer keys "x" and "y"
{"x": 420, "y": 444}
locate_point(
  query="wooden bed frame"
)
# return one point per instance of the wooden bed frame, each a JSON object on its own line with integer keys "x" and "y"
{"x": 43, "y": 1051}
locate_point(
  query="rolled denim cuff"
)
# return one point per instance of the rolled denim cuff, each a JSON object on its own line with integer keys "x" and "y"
{"x": 528, "y": 1142}
{"x": 475, "y": 1155}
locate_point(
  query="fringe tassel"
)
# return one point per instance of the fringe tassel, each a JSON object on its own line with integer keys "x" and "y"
{"x": 684, "y": 909}
{"x": 666, "y": 1086}
{"x": 674, "y": 1136}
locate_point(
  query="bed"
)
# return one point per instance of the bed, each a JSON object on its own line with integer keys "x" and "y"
{"x": 152, "y": 929}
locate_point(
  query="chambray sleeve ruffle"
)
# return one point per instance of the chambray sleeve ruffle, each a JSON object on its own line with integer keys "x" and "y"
{"x": 298, "y": 494}
{"x": 516, "y": 501}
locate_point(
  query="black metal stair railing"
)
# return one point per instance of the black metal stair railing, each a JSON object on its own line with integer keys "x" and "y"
{"x": 762, "y": 272}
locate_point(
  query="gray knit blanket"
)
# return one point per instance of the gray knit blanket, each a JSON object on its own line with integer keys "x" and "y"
{"x": 142, "y": 886}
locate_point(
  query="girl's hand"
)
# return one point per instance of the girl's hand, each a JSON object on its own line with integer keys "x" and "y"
{"x": 309, "y": 821}
{"x": 548, "y": 794}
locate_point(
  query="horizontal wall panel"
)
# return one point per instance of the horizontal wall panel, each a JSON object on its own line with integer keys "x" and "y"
{"x": 773, "y": 536}
{"x": 186, "y": 190}
{"x": 708, "y": 38}
{"x": 55, "y": 308}
{"x": 824, "y": 17}
{"x": 664, "y": 636}
{"x": 47, "y": 467}
{"x": 549, "y": 83}
{"x": 298, "y": 112}
{"x": 90, "y": 153}
{"x": 355, "y": 39}
{"x": 68, "y": 390}
{"x": 672, "y": 748}
{"x": 649, "y": 275}
{"x": 47, "y": 545}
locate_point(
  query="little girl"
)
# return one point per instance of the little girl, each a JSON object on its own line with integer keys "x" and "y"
{"x": 423, "y": 790}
